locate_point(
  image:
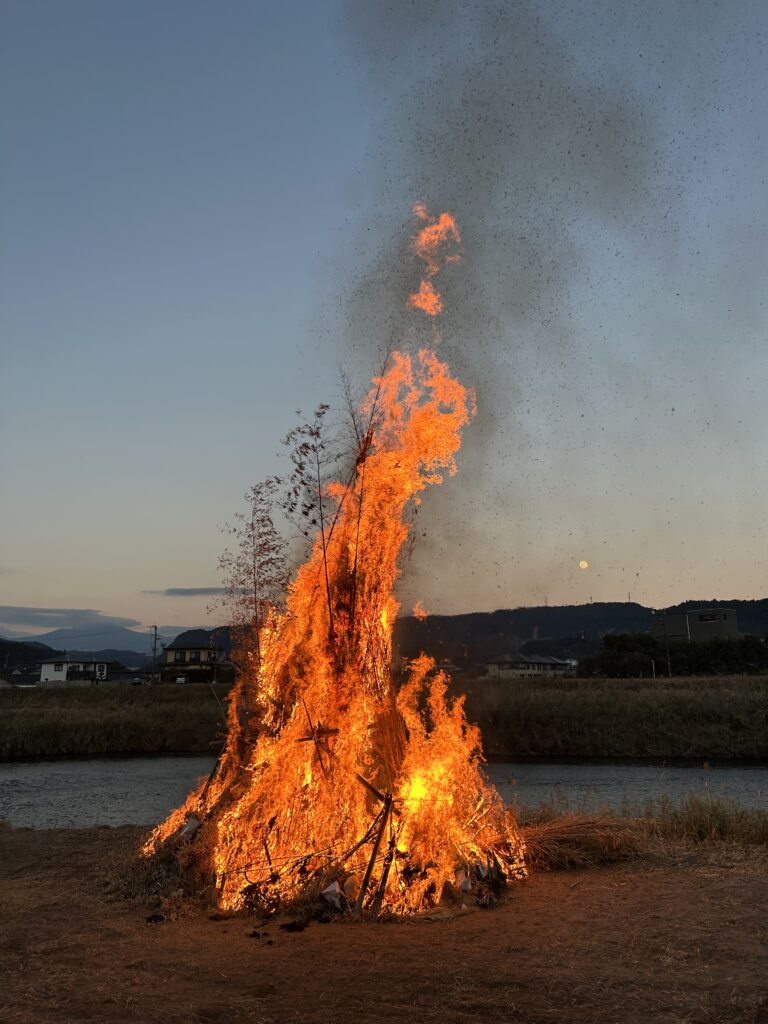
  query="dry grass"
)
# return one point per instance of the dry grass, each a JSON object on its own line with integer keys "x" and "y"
{"x": 558, "y": 839}
{"x": 707, "y": 819}
{"x": 580, "y": 841}
{"x": 99, "y": 720}
{"x": 703, "y": 718}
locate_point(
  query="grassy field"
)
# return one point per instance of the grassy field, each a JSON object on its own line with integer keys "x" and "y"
{"x": 702, "y": 718}
{"x": 684, "y": 717}
{"x": 81, "y": 721}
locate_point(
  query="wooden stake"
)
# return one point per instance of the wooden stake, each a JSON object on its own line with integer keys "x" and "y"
{"x": 379, "y": 897}
{"x": 374, "y": 854}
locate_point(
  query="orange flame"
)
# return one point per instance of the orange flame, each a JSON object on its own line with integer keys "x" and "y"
{"x": 432, "y": 243}
{"x": 427, "y": 299}
{"x": 329, "y": 773}
{"x": 419, "y": 612}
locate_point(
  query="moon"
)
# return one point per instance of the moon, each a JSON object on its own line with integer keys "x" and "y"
{"x": 583, "y": 564}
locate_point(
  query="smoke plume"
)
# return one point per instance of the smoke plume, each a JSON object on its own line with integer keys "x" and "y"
{"x": 482, "y": 110}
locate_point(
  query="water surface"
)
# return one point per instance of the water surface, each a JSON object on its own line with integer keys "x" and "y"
{"x": 97, "y": 791}
{"x": 142, "y": 790}
{"x": 591, "y": 785}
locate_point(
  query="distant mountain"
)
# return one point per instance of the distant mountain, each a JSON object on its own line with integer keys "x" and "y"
{"x": 131, "y": 659}
{"x": 118, "y": 639}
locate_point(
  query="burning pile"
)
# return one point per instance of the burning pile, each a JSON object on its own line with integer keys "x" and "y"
{"x": 332, "y": 781}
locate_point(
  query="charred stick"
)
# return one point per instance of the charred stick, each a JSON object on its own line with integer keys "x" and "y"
{"x": 379, "y": 796}
{"x": 371, "y": 789}
{"x": 214, "y": 770}
{"x": 368, "y": 433}
{"x": 362, "y": 461}
{"x": 331, "y": 630}
{"x": 379, "y": 897}
{"x": 374, "y": 854}
{"x": 364, "y": 840}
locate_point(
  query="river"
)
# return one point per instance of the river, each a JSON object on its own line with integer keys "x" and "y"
{"x": 142, "y": 790}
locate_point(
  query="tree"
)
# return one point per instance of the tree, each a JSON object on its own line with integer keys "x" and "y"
{"x": 253, "y": 569}
{"x": 305, "y": 499}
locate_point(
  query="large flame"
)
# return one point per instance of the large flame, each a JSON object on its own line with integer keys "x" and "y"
{"x": 329, "y": 773}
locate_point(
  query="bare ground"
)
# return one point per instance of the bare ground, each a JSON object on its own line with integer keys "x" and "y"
{"x": 679, "y": 938}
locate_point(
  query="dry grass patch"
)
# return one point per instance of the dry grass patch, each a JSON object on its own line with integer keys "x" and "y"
{"x": 580, "y": 841}
{"x": 558, "y": 839}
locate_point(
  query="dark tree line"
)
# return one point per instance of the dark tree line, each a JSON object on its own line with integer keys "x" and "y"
{"x": 633, "y": 655}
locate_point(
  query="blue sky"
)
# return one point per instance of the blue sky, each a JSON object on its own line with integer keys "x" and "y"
{"x": 198, "y": 200}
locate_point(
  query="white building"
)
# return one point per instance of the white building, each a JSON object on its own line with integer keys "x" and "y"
{"x": 75, "y": 671}
{"x": 521, "y": 666}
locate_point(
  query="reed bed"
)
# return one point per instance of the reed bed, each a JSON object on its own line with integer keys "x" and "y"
{"x": 110, "y": 720}
{"x": 707, "y": 819}
{"x": 723, "y": 718}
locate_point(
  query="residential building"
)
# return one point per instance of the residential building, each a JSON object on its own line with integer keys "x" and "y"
{"x": 198, "y": 656}
{"x": 75, "y": 671}
{"x": 522, "y": 666}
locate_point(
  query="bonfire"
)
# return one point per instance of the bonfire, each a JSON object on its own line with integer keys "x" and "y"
{"x": 336, "y": 787}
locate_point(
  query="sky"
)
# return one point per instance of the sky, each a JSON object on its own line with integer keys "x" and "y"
{"x": 205, "y": 213}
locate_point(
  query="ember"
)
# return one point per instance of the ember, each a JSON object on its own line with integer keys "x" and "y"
{"x": 334, "y": 786}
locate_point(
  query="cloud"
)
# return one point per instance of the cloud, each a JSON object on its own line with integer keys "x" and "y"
{"x": 60, "y": 618}
{"x": 187, "y": 591}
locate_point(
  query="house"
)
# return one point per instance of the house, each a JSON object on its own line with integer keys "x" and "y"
{"x": 63, "y": 670}
{"x": 695, "y": 625}
{"x": 523, "y": 666}
{"x": 198, "y": 656}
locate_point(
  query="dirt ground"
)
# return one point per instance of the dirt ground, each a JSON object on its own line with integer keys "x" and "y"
{"x": 683, "y": 938}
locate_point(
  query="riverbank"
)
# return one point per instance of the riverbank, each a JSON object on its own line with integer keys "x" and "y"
{"x": 696, "y": 718}
{"x": 676, "y": 936}
{"x": 111, "y": 720}
{"x": 700, "y": 718}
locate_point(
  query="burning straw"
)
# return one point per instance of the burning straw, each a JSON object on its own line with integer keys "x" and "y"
{"x": 331, "y": 782}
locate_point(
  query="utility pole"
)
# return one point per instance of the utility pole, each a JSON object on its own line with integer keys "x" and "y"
{"x": 154, "y": 652}
{"x": 666, "y": 645}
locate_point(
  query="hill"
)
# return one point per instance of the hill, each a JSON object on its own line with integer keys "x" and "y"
{"x": 572, "y": 631}
{"x": 20, "y": 660}
{"x": 131, "y": 659}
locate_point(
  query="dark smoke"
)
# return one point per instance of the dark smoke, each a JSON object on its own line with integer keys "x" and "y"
{"x": 489, "y": 116}
{"x": 483, "y": 111}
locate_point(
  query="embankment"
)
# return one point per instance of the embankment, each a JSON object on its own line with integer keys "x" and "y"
{"x": 725, "y": 718}
{"x": 105, "y": 720}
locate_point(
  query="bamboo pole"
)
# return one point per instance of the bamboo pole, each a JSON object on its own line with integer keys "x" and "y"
{"x": 379, "y": 897}
{"x": 374, "y": 854}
